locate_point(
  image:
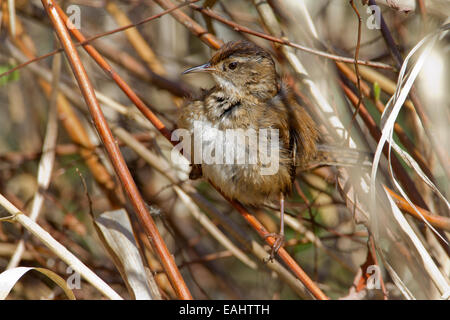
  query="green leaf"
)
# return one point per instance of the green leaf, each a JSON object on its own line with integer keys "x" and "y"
{"x": 376, "y": 91}
{"x": 14, "y": 76}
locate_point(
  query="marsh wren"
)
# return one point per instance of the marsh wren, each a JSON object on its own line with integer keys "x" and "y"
{"x": 249, "y": 96}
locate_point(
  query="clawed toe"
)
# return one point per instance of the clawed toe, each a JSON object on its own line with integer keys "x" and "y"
{"x": 279, "y": 242}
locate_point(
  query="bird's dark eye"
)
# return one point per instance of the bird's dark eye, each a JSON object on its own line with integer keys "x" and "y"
{"x": 232, "y": 65}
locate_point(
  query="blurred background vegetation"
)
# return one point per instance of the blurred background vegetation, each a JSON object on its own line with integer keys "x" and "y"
{"x": 325, "y": 236}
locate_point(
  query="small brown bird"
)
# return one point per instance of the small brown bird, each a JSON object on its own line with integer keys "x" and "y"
{"x": 249, "y": 95}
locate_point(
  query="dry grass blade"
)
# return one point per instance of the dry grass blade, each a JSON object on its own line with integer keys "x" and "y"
{"x": 392, "y": 110}
{"x": 438, "y": 278}
{"x": 47, "y": 160}
{"x": 12, "y": 17}
{"x": 10, "y": 277}
{"x": 57, "y": 248}
{"x": 435, "y": 220}
{"x": 114, "y": 228}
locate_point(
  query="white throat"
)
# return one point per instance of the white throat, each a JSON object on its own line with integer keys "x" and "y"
{"x": 227, "y": 86}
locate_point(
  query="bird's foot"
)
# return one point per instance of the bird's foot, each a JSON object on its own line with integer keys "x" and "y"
{"x": 196, "y": 171}
{"x": 279, "y": 242}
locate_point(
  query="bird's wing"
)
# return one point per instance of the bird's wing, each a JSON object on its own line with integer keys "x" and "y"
{"x": 303, "y": 133}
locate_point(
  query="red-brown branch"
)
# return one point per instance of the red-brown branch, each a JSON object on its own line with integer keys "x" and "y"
{"x": 282, "y": 253}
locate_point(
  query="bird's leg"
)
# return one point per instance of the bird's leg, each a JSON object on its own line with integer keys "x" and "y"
{"x": 279, "y": 237}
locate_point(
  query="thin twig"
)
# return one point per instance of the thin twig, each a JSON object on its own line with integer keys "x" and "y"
{"x": 208, "y": 38}
{"x": 282, "y": 253}
{"x": 117, "y": 78}
{"x": 286, "y": 42}
{"x": 97, "y": 36}
{"x": 435, "y": 220}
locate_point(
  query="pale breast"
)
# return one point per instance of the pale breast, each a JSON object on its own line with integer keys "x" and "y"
{"x": 247, "y": 163}
{"x": 240, "y": 163}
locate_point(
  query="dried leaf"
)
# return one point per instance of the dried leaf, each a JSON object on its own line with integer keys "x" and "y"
{"x": 114, "y": 229}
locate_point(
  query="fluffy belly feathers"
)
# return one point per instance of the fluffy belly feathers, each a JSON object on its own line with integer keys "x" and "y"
{"x": 244, "y": 165}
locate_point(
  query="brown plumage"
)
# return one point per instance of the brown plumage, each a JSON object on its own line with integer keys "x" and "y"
{"x": 248, "y": 95}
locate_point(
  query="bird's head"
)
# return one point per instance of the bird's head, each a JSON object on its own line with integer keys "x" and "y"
{"x": 241, "y": 68}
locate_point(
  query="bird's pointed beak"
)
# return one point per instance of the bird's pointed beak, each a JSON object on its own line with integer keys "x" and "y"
{"x": 202, "y": 68}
